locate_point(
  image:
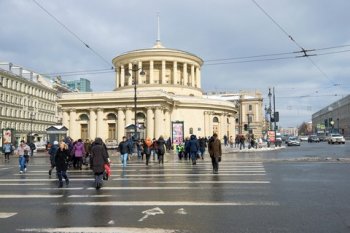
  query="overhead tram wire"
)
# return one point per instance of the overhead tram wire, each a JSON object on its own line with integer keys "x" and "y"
{"x": 74, "y": 34}
{"x": 305, "y": 51}
{"x": 78, "y": 72}
{"x": 246, "y": 59}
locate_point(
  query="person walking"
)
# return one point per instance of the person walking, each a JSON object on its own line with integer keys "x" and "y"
{"x": 22, "y": 151}
{"x": 61, "y": 162}
{"x": 32, "y": 148}
{"x": 79, "y": 152}
{"x": 161, "y": 149}
{"x": 225, "y": 140}
{"x": 154, "y": 148}
{"x": 7, "y": 150}
{"x": 147, "y": 148}
{"x": 52, "y": 152}
{"x": 99, "y": 157}
{"x": 214, "y": 147}
{"x": 193, "y": 148}
{"x": 124, "y": 150}
{"x": 202, "y": 146}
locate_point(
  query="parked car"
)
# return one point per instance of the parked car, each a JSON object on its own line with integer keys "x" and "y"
{"x": 313, "y": 138}
{"x": 293, "y": 141}
{"x": 111, "y": 143}
{"x": 303, "y": 138}
{"x": 336, "y": 138}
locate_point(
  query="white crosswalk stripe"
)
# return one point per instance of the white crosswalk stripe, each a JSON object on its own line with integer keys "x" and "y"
{"x": 126, "y": 187}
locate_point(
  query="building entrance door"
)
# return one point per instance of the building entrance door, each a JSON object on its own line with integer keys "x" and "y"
{"x": 84, "y": 131}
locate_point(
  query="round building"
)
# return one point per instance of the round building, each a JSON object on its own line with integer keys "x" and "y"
{"x": 169, "y": 100}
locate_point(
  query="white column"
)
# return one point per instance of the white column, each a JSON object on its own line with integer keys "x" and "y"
{"x": 163, "y": 71}
{"x": 72, "y": 124}
{"x": 167, "y": 120}
{"x": 99, "y": 128}
{"x": 121, "y": 125}
{"x": 158, "y": 122}
{"x": 151, "y": 74}
{"x": 206, "y": 124}
{"x": 92, "y": 124}
{"x": 198, "y": 77}
{"x": 130, "y": 78}
{"x": 192, "y": 76}
{"x": 222, "y": 125}
{"x": 210, "y": 129}
{"x": 150, "y": 123}
{"x": 175, "y": 72}
{"x": 122, "y": 76}
{"x": 65, "y": 119}
{"x": 184, "y": 71}
{"x": 128, "y": 117}
{"x": 116, "y": 77}
{"x": 138, "y": 73}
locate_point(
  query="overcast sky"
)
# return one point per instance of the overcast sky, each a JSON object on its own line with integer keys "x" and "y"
{"x": 211, "y": 29}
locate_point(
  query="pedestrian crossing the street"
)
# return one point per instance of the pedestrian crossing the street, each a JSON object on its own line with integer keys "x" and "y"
{"x": 172, "y": 186}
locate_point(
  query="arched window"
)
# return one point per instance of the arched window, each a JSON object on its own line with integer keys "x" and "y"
{"x": 111, "y": 116}
{"x": 216, "y": 120}
{"x": 84, "y": 117}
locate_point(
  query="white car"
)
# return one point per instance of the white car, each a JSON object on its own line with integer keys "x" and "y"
{"x": 303, "y": 138}
{"x": 336, "y": 138}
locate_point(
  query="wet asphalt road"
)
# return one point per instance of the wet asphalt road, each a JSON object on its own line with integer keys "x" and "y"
{"x": 275, "y": 191}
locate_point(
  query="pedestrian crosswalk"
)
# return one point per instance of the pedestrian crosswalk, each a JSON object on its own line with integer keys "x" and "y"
{"x": 176, "y": 184}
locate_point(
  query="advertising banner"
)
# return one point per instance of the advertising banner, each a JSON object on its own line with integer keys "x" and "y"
{"x": 178, "y": 132}
{"x": 271, "y": 135}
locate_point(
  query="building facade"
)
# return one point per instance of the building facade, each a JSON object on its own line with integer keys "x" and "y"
{"x": 82, "y": 85}
{"x": 250, "y": 119}
{"x": 333, "y": 118}
{"x": 170, "y": 101}
{"x": 27, "y": 102}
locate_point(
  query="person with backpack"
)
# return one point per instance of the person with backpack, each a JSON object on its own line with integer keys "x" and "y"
{"x": 193, "y": 148}
{"x": 61, "y": 162}
{"x": 161, "y": 149}
{"x": 52, "y": 152}
{"x": 147, "y": 148}
{"x": 214, "y": 148}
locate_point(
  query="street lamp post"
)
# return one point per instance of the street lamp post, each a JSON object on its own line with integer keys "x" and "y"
{"x": 135, "y": 68}
{"x": 31, "y": 126}
{"x": 270, "y": 108}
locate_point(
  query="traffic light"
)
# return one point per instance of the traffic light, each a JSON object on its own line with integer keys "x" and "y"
{"x": 245, "y": 127}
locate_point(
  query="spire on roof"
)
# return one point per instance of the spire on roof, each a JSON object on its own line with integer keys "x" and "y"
{"x": 158, "y": 43}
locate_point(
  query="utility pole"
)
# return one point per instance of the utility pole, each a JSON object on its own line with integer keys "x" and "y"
{"x": 270, "y": 108}
{"x": 274, "y": 114}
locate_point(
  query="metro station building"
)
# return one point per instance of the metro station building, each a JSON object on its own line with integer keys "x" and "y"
{"x": 170, "y": 101}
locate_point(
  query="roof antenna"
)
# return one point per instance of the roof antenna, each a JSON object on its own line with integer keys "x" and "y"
{"x": 158, "y": 32}
{"x": 158, "y": 43}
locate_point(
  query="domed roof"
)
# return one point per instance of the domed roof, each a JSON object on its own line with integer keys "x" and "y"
{"x": 156, "y": 50}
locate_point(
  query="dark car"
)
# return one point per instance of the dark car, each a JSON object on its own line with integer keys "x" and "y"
{"x": 313, "y": 138}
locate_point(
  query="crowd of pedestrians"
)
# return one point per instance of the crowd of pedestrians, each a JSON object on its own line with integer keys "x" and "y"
{"x": 69, "y": 154}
